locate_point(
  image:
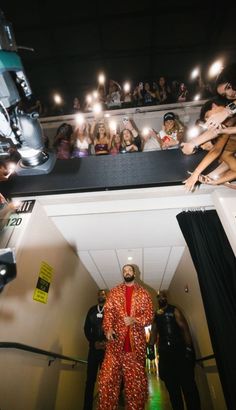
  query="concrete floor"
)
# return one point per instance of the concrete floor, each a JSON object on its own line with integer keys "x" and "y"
{"x": 158, "y": 396}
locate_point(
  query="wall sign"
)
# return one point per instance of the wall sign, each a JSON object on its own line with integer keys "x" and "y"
{"x": 44, "y": 280}
{"x": 26, "y": 207}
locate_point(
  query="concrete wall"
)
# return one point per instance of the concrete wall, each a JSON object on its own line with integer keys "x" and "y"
{"x": 26, "y": 380}
{"x": 190, "y": 303}
{"x": 225, "y": 204}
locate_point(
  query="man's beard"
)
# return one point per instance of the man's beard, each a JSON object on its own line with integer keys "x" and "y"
{"x": 101, "y": 300}
{"x": 129, "y": 278}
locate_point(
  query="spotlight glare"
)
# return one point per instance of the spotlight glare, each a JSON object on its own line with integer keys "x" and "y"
{"x": 145, "y": 131}
{"x": 101, "y": 78}
{"x": 215, "y": 68}
{"x": 127, "y": 87}
{"x": 79, "y": 119}
{"x": 89, "y": 98}
{"x": 97, "y": 108}
{"x": 193, "y": 132}
{"x": 113, "y": 126}
{"x": 11, "y": 167}
{"x": 195, "y": 73}
{"x": 57, "y": 99}
{"x": 130, "y": 258}
{"x": 197, "y": 97}
{"x": 95, "y": 95}
{"x": 3, "y": 272}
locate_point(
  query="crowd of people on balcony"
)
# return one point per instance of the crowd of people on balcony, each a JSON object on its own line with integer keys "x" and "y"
{"x": 102, "y": 137}
{"x": 105, "y": 137}
{"x": 113, "y": 95}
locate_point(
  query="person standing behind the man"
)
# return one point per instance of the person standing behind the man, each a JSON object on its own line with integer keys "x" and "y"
{"x": 97, "y": 343}
{"x": 128, "y": 310}
{"x": 176, "y": 355}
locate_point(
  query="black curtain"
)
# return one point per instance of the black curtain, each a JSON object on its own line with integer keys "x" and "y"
{"x": 215, "y": 264}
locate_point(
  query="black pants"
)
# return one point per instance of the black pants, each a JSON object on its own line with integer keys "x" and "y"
{"x": 95, "y": 358}
{"x": 178, "y": 374}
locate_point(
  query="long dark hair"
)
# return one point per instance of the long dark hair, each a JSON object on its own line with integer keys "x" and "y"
{"x": 220, "y": 101}
{"x": 227, "y": 75}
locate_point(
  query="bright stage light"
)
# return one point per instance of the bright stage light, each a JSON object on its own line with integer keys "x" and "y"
{"x": 113, "y": 126}
{"x": 97, "y": 108}
{"x": 215, "y": 68}
{"x": 79, "y": 119}
{"x": 195, "y": 73}
{"x": 127, "y": 87}
{"x": 57, "y": 99}
{"x": 145, "y": 131}
{"x": 101, "y": 78}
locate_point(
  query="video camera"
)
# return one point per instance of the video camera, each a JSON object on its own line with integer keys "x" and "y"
{"x": 18, "y": 123}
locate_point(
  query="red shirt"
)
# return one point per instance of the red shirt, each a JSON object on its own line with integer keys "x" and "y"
{"x": 128, "y": 299}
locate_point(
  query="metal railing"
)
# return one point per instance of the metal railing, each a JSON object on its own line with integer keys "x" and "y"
{"x": 209, "y": 357}
{"x": 52, "y": 355}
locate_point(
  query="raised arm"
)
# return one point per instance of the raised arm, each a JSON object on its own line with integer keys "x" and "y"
{"x": 207, "y": 160}
{"x": 190, "y": 147}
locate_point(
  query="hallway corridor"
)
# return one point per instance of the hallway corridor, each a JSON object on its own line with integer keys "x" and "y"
{"x": 158, "y": 396}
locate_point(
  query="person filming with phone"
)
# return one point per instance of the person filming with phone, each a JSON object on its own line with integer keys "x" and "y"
{"x": 130, "y": 139}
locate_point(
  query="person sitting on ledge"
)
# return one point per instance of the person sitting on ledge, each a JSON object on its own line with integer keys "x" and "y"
{"x": 224, "y": 148}
{"x": 172, "y": 132}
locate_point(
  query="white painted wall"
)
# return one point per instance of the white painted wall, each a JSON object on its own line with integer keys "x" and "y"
{"x": 225, "y": 204}
{"x": 26, "y": 380}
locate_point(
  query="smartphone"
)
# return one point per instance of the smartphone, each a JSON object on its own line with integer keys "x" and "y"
{"x": 125, "y": 120}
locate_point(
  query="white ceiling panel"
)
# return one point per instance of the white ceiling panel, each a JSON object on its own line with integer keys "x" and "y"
{"x": 107, "y": 228}
{"x": 121, "y": 230}
{"x": 155, "y": 261}
{"x": 173, "y": 261}
{"x": 92, "y": 268}
{"x": 107, "y": 264}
